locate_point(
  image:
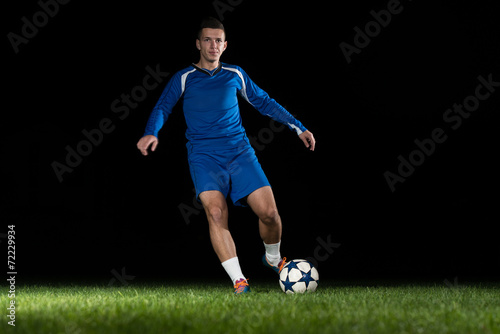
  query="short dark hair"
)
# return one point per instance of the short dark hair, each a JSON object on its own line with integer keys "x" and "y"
{"x": 212, "y": 23}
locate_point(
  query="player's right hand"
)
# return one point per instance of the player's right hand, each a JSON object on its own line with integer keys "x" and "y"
{"x": 145, "y": 142}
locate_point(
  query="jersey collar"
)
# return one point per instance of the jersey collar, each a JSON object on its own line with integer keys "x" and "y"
{"x": 217, "y": 70}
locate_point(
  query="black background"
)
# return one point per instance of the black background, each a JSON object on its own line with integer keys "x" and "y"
{"x": 118, "y": 209}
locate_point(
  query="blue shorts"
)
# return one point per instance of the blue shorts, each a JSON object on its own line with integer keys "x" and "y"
{"x": 235, "y": 172}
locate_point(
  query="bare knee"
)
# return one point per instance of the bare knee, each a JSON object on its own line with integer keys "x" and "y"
{"x": 214, "y": 213}
{"x": 215, "y": 207}
{"x": 270, "y": 216}
{"x": 217, "y": 216}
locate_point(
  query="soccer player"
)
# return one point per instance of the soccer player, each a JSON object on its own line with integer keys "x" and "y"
{"x": 221, "y": 160}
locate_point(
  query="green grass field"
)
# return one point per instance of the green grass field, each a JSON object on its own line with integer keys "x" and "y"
{"x": 336, "y": 307}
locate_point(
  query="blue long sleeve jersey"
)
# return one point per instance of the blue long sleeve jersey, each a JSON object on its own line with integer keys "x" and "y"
{"x": 211, "y": 108}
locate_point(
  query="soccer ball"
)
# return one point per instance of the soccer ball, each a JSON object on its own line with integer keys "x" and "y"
{"x": 299, "y": 276}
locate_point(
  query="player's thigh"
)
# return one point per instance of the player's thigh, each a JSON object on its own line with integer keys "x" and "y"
{"x": 215, "y": 204}
{"x": 263, "y": 203}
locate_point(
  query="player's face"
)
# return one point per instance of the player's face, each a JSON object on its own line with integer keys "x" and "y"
{"x": 211, "y": 44}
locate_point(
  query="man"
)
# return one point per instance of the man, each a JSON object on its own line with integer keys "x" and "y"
{"x": 221, "y": 159}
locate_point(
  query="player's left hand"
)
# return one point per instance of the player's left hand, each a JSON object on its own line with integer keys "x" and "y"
{"x": 308, "y": 139}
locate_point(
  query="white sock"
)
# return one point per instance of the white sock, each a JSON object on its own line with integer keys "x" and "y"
{"x": 273, "y": 253}
{"x": 233, "y": 269}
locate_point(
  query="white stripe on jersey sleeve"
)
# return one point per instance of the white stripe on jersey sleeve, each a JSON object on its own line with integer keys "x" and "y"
{"x": 183, "y": 80}
{"x": 244, "y": 87}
